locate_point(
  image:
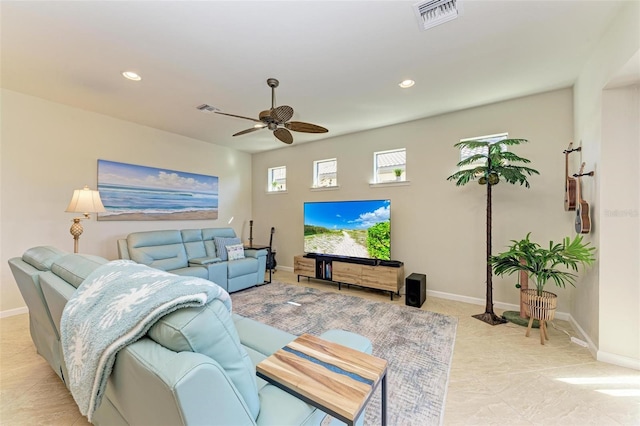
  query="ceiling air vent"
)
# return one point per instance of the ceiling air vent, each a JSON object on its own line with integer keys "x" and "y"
{"x": 207, "y": 108}
{"x": 435, "y": 12}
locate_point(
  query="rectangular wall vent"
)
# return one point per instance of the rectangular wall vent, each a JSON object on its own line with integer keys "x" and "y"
{"x": 435, "y": 12}
{"x": 207, "y": 108}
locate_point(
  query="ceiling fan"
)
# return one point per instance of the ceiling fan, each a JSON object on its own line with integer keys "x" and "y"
{"x": 277, "y": 119}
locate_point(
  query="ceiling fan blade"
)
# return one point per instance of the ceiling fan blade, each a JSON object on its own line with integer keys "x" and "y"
{"x": 299, "y": 126}
{"x": 282, "y": 113}
{"x": 244, "y": 132}
{"x": 284, "y": 135}
{"x": 239, "y": 116}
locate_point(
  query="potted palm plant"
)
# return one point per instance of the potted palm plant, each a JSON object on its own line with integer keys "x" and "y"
{"x": 557, "y": 263}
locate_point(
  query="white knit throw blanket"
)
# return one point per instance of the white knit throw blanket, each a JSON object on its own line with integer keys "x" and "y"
{"x": 115, "y": 306}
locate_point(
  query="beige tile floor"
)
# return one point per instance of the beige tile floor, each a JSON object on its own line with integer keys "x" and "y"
{"x": 498, "y": 376}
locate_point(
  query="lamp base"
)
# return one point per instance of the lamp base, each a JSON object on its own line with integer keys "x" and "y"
{"x": 76, "y": 231}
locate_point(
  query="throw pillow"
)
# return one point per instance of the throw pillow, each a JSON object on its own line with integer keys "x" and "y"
{"x": 221, "y": 245}
{"x": 235, "y": 252}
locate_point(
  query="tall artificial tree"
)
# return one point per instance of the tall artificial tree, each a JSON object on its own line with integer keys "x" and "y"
{"x": 489, "y": 165}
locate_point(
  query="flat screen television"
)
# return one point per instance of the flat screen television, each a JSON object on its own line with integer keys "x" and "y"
{"x": 359, "y": 228}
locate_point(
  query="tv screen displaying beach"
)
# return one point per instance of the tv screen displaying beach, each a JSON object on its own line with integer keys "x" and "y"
{"x": 348, "y": 228}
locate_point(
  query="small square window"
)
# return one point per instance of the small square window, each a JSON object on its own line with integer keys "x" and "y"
{"x": 325, "y": 173}
{"x": 468, "y": 152}
{"x": 277, "y": 178}
{"x": 390, "y": 166}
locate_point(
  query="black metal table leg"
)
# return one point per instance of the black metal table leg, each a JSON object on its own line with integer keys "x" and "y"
{"x": 384, "y": 399}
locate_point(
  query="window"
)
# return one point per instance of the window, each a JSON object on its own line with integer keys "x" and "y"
{"x": 390, "y": 166}
{"x": 468, "y": 152}
{"x": 325, "y": 173}
{"x": 277, "y": 178}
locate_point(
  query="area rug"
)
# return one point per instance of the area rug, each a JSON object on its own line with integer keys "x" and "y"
{"x": 417, "y": 344}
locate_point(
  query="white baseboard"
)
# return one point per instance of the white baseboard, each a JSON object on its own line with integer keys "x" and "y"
{"x": 603, "y": 356}
{"x": 12, "y": 312}
{"x": 477, "y": 301}
{"x": 620, "y": 360}
{"x": 583, "y": 335}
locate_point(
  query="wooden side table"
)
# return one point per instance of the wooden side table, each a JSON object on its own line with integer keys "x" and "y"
{"x": 333, "y": 378}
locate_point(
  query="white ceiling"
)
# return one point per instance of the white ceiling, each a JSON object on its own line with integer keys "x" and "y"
{"x": 339, "y": 62}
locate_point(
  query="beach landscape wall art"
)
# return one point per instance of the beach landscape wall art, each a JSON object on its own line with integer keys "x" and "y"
{"x": 131, "y": 192}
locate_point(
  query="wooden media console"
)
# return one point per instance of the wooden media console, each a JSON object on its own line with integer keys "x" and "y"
{"x": 370, "y": 273}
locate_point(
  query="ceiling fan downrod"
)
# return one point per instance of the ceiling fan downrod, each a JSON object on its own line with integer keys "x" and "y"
{"x": 273, "y": 83}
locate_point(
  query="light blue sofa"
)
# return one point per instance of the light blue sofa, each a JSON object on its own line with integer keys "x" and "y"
{"x": 195, "y": 366}
{"x": 194, "y": 252}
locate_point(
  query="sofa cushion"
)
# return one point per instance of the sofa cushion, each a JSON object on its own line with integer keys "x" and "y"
{"x": 209, "y": 330}
{"x": 42, "y": 257}
{"x": 158, "y": 249}
{"x": 208, "y": 235}
{"x": 221, "y": 245}
{"x": 211, "y": 233}
{"x": 235, "y": 252}
{"x": 74, "y": 268}
{"x": 193, "y": 243}
{"x": 199, "y": 271}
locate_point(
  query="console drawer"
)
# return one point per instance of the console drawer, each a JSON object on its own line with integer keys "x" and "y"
{"x": 304, "y": 266}
{"x": 348, "y": 273}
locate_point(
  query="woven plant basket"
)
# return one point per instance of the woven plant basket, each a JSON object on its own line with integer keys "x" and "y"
{"x": 540, "y": 307}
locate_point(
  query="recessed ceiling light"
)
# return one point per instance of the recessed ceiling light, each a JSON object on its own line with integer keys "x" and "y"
{"x": 131, "y": 76}
{"x": 406, "y": 83}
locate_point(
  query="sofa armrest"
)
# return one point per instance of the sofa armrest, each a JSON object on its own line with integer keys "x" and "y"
{"x": 259, "y": 336}
{"x": 204, "y": 260}
{"x": 151, "y": 384}
{"x": 255, "y": 253}
{"x": 123, "y": 250}
{"x": 348, "y": 339}
{"x": 57, "y": 293}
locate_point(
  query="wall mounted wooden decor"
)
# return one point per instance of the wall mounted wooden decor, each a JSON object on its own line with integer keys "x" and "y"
{"x": 569, "y": 182}
{"x": 583, "y": 221}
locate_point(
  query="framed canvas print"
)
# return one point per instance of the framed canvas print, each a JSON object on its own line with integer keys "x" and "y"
{"x": 132, "y": 192}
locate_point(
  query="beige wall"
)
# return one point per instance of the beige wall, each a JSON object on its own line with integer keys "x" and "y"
{"x": 619, "y": 223}
{"x": 437, "y": 228}
{"x": 48, "y": 150}
{"x": 594, "y": 306}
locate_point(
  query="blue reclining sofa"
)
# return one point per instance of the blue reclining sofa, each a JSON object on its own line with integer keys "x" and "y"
{"x": 197, "y": 252}
{"x": 195, "y": 366}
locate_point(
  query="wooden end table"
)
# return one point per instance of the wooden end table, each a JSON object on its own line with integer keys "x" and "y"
{"x": 333, "y": 378}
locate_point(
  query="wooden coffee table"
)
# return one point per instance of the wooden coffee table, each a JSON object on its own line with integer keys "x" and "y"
{"x": 334, "y": 378}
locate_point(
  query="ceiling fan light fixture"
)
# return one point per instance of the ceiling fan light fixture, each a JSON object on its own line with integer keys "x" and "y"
{"x": 405, "y": 84}
{"x": 130, "y": 75}
{"x": 275, "y": 119}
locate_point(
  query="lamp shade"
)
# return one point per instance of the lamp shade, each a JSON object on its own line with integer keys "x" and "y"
{"x": 85, "y": 201}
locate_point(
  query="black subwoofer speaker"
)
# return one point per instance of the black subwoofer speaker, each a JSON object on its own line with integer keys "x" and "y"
{"x": 416, "y": 287}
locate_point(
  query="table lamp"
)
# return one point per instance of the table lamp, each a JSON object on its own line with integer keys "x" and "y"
{"x": 84, "y": 201}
